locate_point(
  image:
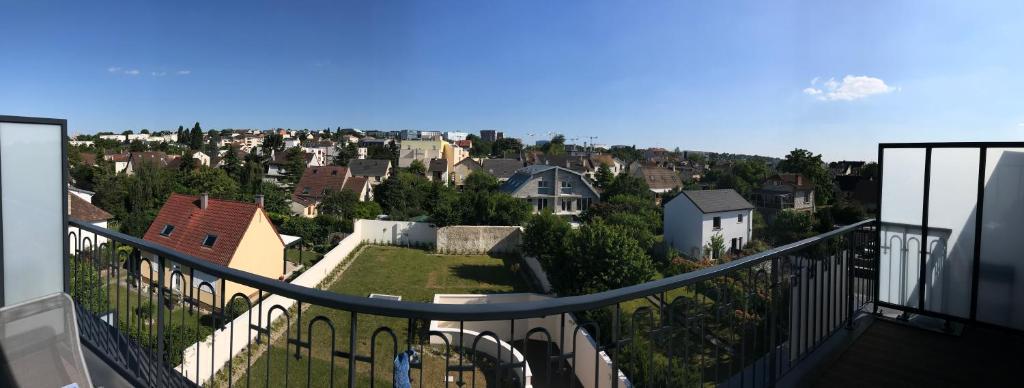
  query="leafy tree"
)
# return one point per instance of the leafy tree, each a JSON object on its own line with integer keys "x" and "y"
{"x": 447, "y": 209}
{"x": 210, "y": 180}
{"x": 599, "y": 257}
{"x": 505, "y": 146}
{"x": 196, "y": 137}
{"x": 759, "y": 228}
{"x": 232, "y": 165}
{"x": 250, "y": 175}
{"x": 344, "y": 154}
{"x": 626, "y": 184}
{"x": 805, "y": 162}
{"x": 604, "y": 176}
{"x": 543, "y": 236}
{"x": 790, "y": 226}
{"x": 295, "y": 165}
{"x": 183, "y": 136}
{"x": 402, "y": 195}
{"x": 187, "y": 162}
{"x": 341, "y": 203}
{"x": 303, "y": 227}
{"x": 480, "y": 181}
{"x": 715, "y": 247}
{"x": 272, "y": 142}
{"x": 556, "y": 146}
{"x": 847, "y": 212}
{"x": 137, "y": 146}
{"x": 417, "y": 168}
{"x": 870, "y": 171}
{"x": 480, "y": 147}
{"x": 648, "y": 213}
{"x": 508, "y": 210}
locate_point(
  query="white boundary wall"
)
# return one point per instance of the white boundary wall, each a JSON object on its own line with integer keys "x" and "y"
{"x": 402, "y": 233}
{"x": 587, "y": 357}
{"x": 217, "y": 344}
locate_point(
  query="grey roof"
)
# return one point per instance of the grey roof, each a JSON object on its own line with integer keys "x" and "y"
{"x": 714, "y": 201}
{"x": 524, "y": 174}
{"x": 502, "y": 168}
{"x": 369, "y": 167}
{"x": 438, "y": 165}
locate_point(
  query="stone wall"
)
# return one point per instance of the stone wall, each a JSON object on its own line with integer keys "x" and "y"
{"x": 479, "y": 239}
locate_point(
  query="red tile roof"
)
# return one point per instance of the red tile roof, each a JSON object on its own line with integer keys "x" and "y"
{"x": 80, "y": 209}
{"x": 356, "y": 184}
{"x": 315, "y": 180}
{"x": 228, "y": 220}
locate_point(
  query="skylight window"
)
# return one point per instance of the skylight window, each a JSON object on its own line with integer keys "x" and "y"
{"x": 209, "y": 241}
{"x": 166, "y": 231}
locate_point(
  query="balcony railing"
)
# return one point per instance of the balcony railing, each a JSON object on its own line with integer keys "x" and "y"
{"x": 747, "y": 322}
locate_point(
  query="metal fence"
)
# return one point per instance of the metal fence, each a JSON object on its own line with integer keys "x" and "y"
{"x": 744, "y": 323}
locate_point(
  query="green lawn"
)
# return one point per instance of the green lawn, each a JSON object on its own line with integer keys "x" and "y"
{"x": 309, "y": 257}
{"x": 414, "y": 274}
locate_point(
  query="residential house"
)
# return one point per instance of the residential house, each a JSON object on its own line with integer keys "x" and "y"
{"x": 694, "y": 216}
{"x": 660, "y": 180}
{"x": 503, "y": 169}
{"x": 784, "y": 192}
{"x": 318, "y": 180}
{"x": 559, "y": 189}
{"x": 87, "y": 158}
{"x": 463, "y": 169}
{"x": 613, "y": 163}
{"x": 156, "y": 158}
{"x": 277, "y": 167}
{"x": 120, "y": 161}
{"x": 374, "y": 170}
{"x": 80, "y": 208}
{"x": 437, "y": 170}
{"x": 235, "y": 234}
{"x": 201, "y": 158}
{"x": 424, "y": 151}
{"x": 580, "y": 164}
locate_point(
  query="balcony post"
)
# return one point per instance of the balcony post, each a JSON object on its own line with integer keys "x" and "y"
{"x": 160, "y": 310}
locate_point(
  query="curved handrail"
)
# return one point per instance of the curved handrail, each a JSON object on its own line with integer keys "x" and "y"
{"x": 474, "y": 312}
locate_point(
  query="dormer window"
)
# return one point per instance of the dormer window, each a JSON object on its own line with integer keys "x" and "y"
{"x": 166, "y": 231}
{"x": 305, "y": 191}
{"x": 314, "y": 171}
{"x": 209, "y": 240}
{"x": 334, "y": 172}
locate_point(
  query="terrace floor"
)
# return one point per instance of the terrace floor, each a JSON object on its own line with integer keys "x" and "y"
{"x": 894, "y": 354}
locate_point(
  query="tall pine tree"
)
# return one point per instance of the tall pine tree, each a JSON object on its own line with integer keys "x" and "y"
{"x": 196, "y": 137}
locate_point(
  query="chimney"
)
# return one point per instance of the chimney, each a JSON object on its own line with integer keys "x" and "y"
{"x": 204, "y": 200}
{"x": 799, "y": 180}
{"x": 259, "y": 200}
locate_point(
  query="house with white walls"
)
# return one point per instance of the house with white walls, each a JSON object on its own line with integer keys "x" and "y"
{"x": 694, "y": 216}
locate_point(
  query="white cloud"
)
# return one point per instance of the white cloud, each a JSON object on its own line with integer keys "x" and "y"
{"x": 183, "y": 72}
{"x": 812, "y": 91}
{"x": 159, "y": 73}
{"x": 114, "y": 69}
{"x": 132, "y": 72}
{"x": 852, "y": 87}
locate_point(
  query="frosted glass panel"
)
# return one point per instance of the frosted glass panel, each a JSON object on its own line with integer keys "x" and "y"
{"x": 951, "y": 214}
{"x": 31, "y": 165}
{"x": 1001, "y": 278}
{"x": 900, "y": 232}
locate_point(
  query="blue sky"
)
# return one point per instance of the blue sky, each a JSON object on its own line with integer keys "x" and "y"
{"x": 836, "y": 77}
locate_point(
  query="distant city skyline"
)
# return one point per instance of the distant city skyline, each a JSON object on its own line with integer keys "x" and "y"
{"x": 760, "y": 78}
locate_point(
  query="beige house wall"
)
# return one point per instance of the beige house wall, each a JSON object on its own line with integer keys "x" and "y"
{"x": 260, "y": 252}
